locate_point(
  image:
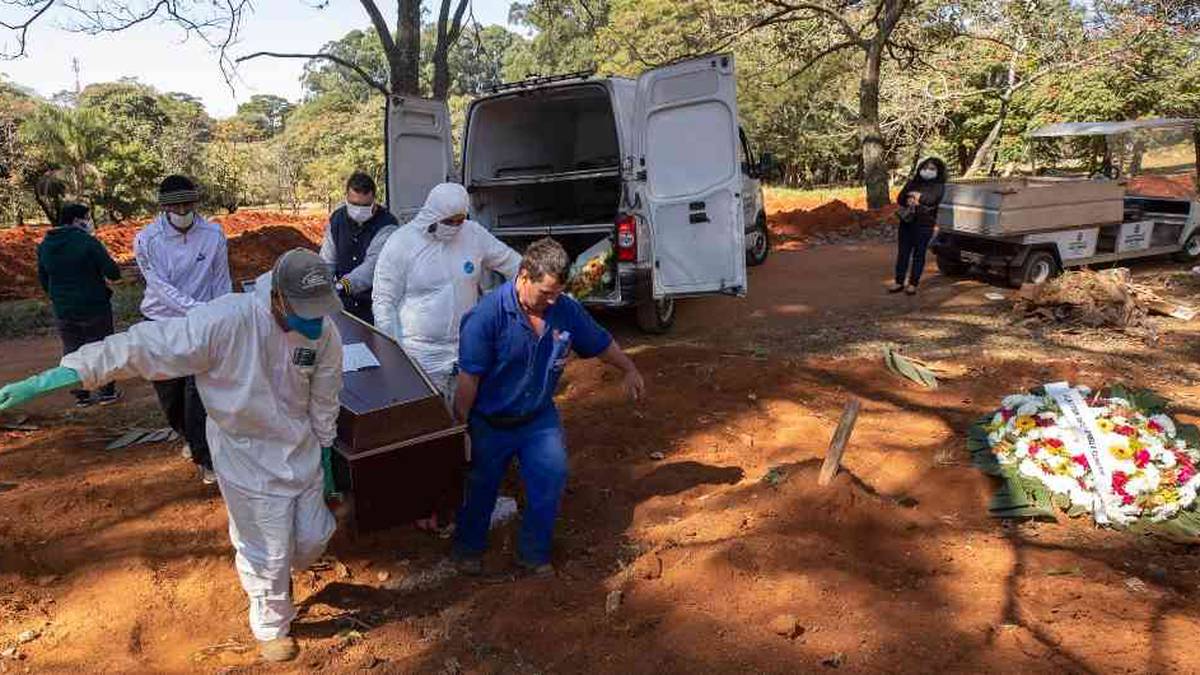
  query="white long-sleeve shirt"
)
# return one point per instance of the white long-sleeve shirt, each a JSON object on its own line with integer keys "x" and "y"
{"x": 271, "y": 395}
{"x": 182, "y": 269}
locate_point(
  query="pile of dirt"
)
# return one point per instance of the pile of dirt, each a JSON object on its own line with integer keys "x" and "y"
{"x": 18, "y": 245}
{"x": 832, "y": 222}
{"x": 1179, "y": 185}
{"x": 1084, "y": 298}
{"x": 253, "y": 252}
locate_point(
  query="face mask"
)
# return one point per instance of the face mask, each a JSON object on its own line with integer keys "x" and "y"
{"x": 87, "y": 226}
{"x": 359, "y": 214}
{"x": 181, "y": 221}
{"x": 928, "y": 173}
{"x": 444, "y": 232}
{"x": 309, "y": 328}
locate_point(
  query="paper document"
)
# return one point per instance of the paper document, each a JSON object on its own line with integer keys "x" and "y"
{"x": 356, "y": 356}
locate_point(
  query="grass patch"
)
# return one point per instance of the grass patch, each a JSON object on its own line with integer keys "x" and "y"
{"x": 30, "y": 318}
{"x": 820, "y": 195}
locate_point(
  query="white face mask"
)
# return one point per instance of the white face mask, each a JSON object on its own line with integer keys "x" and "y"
{"x": 360, "y": 214}
{"x": 181, "y": 221}
{"x": 87, "y": 226}
{"x": 929, "y": 173}
{"x": 444, "y": 232}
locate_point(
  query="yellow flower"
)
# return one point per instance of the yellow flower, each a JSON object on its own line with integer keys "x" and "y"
{"x": 1025, "y": 423}
{"x": 1122, "y": 452}
{"x": 1105, "y": 425}
{"x": 1135, "y": 445}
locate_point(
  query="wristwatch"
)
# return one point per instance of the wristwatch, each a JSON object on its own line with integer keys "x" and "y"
{"x": 343, "y": 286}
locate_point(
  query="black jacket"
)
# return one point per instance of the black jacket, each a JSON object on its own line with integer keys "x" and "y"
{"x": 72, "y": 267}
{"x": 924, "y": 215}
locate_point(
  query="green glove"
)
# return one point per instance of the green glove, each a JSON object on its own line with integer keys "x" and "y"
{"x": 12, "y": 395}
{"x": 327, "y": 464}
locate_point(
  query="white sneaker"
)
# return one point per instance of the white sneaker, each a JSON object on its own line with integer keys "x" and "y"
{"x": 207, "y": 476}
{"x": 186, "y": 451}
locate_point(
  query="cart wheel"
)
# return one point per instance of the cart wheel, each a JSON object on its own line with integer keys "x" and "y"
{"x": 1191, "y": 249}
{"x": 1039, "y": 268}
{"x": 952, "y": 267}
{"x": 656, "y": 316}
{"x": 760, "y": 243}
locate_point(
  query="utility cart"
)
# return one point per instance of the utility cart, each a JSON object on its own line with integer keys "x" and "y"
{"x": 1028, "y": 229}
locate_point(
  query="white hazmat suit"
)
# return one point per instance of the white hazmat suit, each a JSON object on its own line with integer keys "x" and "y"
{"x": 272, "y": 402}
{"x": 429, "y": 276}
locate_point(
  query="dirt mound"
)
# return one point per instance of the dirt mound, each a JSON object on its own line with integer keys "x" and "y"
{"x": 835, "y": 220}
{"x": 18, "y": 245}
{"x": 1085, "y": 298}
{"x": 1174, "y": 185}
{"x": 254, "y": 252}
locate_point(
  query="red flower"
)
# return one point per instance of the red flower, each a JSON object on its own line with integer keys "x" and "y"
{"x": 1186, "y": 473}
{"x": 1081, "y": 461}
{"x": 1142, "y": 458}
{"x": 1054, "y": 443}
{"x": 1119, "y": 479}
{"x": 1044, "y": 421}
{"x": 1154, "y": 426}
{"x": 1126, "y": 500}
{"x": 1126, "y": 430}
{"x": 1007, "y": 414}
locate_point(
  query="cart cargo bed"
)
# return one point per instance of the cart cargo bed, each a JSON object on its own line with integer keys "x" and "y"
{"x": 1023, "y": 205}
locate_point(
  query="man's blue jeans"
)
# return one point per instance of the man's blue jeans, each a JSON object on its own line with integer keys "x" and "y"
{"x": 542, "y": 461}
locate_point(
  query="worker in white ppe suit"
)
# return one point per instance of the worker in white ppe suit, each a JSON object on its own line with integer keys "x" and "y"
{"x": 268, "y": 365}
{"x": 429, "y": 275}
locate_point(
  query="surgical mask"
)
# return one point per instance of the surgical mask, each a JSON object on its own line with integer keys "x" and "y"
{"x": 444, "y": 232}
{"x": 360, "y": 214}
{"x": 309, "y": 328}
{"x": 929, "y": 173}
{"x": 87, "y": 226}
{"x": 181, "y": 221}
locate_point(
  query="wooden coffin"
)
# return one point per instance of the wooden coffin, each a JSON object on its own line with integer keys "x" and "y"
{"x": 399, "y": 451}
{"x": 1024, "y": 205}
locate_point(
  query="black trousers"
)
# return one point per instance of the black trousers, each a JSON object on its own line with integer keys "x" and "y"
{"x": 914, "y": 240}
{"x": 180, "y": 402}
{"x": 77, "y": 332}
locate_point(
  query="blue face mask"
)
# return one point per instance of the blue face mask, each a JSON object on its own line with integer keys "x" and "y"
{"x": 309, "y": 328}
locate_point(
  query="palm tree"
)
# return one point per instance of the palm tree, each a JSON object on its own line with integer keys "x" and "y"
{"x": 71, "y": 141}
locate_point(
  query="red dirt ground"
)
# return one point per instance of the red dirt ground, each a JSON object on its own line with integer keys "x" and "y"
{"x": 18, "y": 246}
{"x": 795, "y": 219}
{"x": 120, "y": 560}
{"x": 1175, "y": 185}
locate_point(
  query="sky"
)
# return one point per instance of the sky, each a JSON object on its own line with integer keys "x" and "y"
{"x": 159, "y": 54}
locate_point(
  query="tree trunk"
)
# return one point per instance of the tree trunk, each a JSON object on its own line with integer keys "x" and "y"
{"x": 985, "y": 156}
{"x": 441, "y": 72}
{"x": 875, "y": 177}
{"x": 1196, "y": 150}
{"x": 406, "y": 67}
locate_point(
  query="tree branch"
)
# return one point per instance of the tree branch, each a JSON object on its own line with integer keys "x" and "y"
{"x": 456, "y": 24}
{"x": 381, "y": 28}
{"x": 852, "y": 33}
{"x": 374, "y": 84}
{"x": 808, "y": 65}
{"x": 22, "y": 29}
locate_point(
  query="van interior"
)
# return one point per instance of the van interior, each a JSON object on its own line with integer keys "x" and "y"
{"x": 545, "y": 162}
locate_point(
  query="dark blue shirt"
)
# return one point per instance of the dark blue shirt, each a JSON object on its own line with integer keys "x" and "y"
{"x": 518, "y": 370}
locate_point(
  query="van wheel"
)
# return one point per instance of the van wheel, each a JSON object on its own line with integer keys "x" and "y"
{"x": 1191, "y": 249}
{"x": 1039, "y": 267}
{"x": 760, "y": 242}
{"x": 656, "y": 316}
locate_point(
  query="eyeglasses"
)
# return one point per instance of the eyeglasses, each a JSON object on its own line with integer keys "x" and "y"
{"x": 454, "y": 220}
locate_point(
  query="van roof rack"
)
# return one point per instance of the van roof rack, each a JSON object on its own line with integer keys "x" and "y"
{"x": 540, "y": 80}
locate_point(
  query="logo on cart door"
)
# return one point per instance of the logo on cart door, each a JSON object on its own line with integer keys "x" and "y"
{"x": 469, "y": 267}
{"x": 304, "y": 357}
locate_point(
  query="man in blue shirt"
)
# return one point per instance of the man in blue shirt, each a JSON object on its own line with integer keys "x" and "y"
{"x": 513, "y": 347}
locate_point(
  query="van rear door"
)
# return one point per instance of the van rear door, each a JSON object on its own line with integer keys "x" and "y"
{"x": 418, "y": 152}
{"x": 687, "y": 144}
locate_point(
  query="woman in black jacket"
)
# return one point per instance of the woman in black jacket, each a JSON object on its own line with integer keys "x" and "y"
{"x": 918, "y": 202}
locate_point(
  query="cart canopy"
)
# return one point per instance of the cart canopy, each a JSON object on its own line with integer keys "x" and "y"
{"x": 1065, "y": 129}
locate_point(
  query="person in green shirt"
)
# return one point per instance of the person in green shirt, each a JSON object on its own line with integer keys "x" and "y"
{"x": 72, "y": 268}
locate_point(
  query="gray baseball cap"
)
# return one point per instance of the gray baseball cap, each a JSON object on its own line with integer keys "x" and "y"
{"x": 306, "y": 283}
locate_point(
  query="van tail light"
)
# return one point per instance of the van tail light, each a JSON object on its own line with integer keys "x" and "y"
{"x": 627, "y": 239}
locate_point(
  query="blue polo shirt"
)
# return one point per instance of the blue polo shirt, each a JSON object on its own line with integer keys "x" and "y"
{"x": 518, "y": 370}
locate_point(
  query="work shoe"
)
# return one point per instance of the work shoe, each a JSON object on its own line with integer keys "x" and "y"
{"x": 81, "y": 402}
{"x": 279, "y": 649}
{"x": 525, "y": 569}
{"x": 910, "y": 289}
{"x": 207, "y": 476}
{"x": 109, "y": 399}
{"x": 895, "y": 288}
{"x": 186, "y": 451}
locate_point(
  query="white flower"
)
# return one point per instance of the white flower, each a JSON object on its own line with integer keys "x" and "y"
{"x": 1167, "y": 424}
{"x": 1119, "y": 402}
{"x": 1165, "y": 458}
{"x": 1029, "y": 408}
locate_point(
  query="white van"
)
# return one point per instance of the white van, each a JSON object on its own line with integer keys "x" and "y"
{"x": 658, "y": 166}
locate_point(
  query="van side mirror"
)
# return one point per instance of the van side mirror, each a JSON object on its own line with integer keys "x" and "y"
{"x": 766, "y": 165}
